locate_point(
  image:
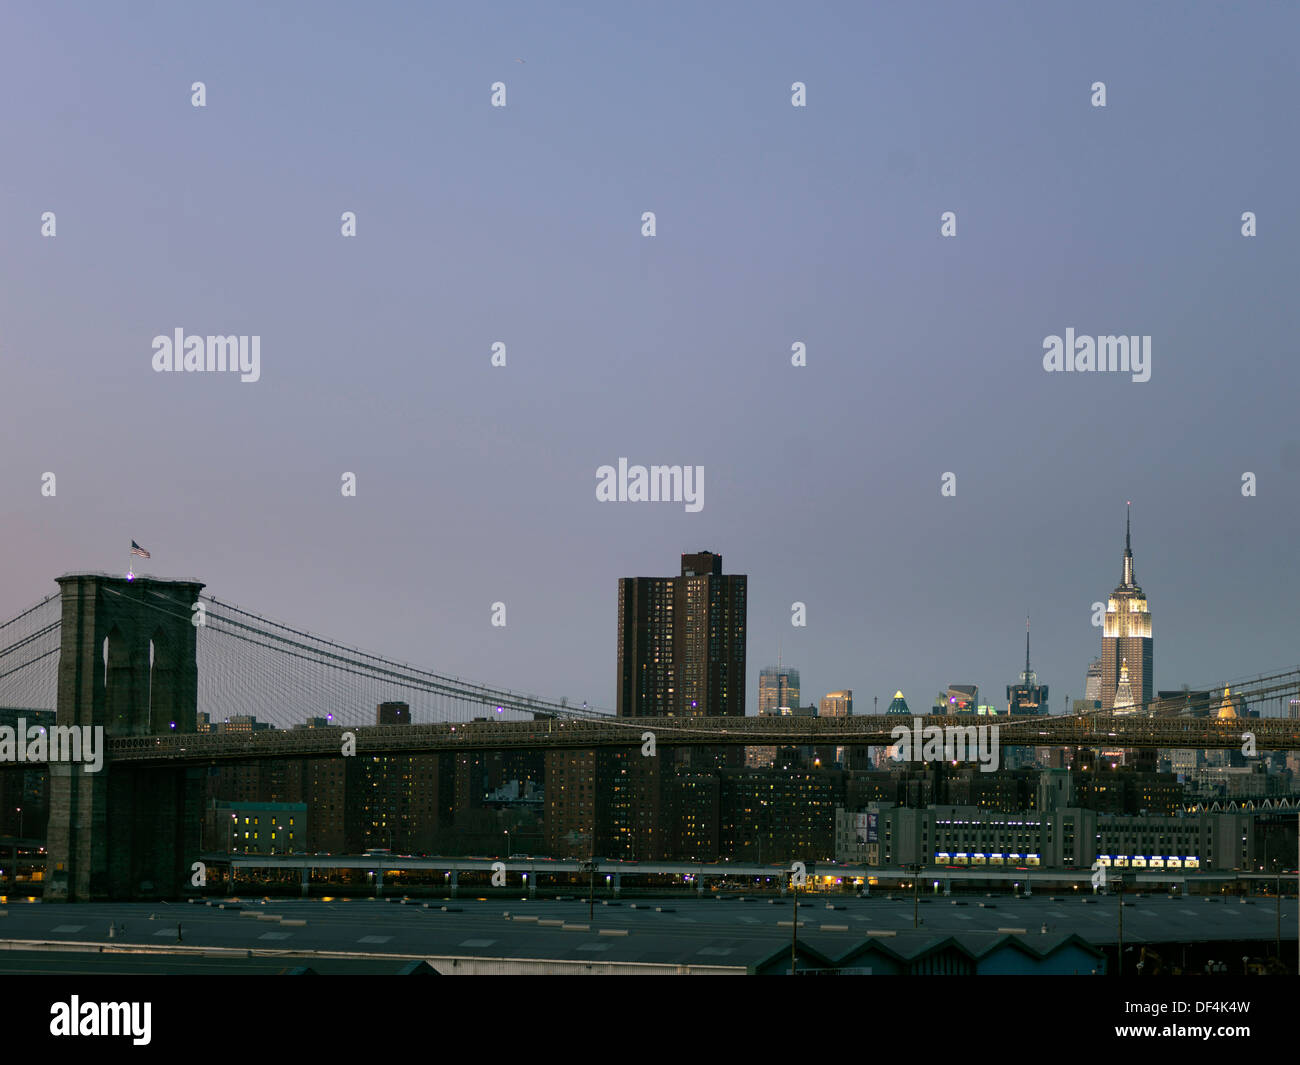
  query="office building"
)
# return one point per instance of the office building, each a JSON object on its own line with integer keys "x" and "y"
{"x": 898, "y": 705}
{"x": 238, "y": 723}
{"x": 840, "y": 704}
{"x": 963, "y": 698}
{"x": 1092, "y": 684}
{"x": 778, "y": 687}
{"x": 1067, "y": 837}
{"x": 778, "y": 694}
{"x": 1126, "y": 639}
{"x": 1027, "y": 697}
{"x": 836, "y": 704}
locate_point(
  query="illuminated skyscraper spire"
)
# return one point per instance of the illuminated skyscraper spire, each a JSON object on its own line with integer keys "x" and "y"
{"x": 1126, "y": 635}
{"x": 1128, "y": 581}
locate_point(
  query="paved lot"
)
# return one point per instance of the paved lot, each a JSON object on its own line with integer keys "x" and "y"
{"x": 379, "y": 936}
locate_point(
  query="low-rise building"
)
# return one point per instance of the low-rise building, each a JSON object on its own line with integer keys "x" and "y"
{"x": 1069, "y": 838}
{"x": 255, "y": 827}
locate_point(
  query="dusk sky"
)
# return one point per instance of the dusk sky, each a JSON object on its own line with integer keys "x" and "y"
{"x": 775, "y": 224}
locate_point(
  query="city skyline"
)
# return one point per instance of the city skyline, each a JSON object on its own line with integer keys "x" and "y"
{"x": 920, "y": 696}
{"x": 556, "y": 490}
{"x": 778, "y": 227}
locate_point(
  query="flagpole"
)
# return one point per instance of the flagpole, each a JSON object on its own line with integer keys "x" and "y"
{"x": 136, "y": 549}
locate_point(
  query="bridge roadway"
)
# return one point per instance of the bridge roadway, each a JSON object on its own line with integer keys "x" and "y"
{"x": 1093, "y": 730}
{"x": 610, "y": 872}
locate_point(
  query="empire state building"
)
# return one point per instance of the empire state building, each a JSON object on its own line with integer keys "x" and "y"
{"x": 1126, "y": 640}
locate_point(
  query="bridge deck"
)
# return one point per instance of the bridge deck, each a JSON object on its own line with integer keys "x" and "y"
{"x": 1104, "y": 731}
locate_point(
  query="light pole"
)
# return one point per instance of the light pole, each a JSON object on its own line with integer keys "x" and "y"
{"x": 507, "y": 832}
{"x": 589, "y": 866}
{"x": 16, "y": 847}
{"x": 591, "y": 895}
{"x": 794, "y": 925}
{"x": 916, "y": 895}
{"x": 1119, "y": 954}
{"x": 1278, "y": 891}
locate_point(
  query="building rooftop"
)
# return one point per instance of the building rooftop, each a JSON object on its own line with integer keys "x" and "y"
{"x": 701, "y": 935}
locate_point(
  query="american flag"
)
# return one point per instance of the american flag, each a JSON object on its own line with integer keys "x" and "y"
{"x": 136, "y": 549}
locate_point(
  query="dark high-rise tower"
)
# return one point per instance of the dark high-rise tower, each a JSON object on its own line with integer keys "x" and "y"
{"x": 681, "y": 641}
{"x": 1126, "y": 639}
{"x": 1027, "y": 697}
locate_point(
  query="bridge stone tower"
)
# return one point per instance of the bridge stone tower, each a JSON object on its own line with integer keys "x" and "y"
{"x": 127, "y": 663}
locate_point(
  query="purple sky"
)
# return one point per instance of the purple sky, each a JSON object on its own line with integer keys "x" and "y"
{"x": 775, "y": 224}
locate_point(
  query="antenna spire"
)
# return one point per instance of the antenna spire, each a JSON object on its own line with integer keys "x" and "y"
{"x": 1128, "y": 580}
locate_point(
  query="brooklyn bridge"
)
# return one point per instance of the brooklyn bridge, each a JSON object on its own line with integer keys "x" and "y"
{"x": 148, "y": 660}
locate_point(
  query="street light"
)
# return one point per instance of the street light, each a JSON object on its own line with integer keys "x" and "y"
{"x": 794, "y": 924}
{"x": 1278, "y": 873}
{"x": 1119, "y": 953}
{"x": 589, "y": 866}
